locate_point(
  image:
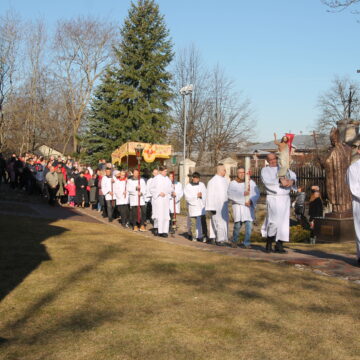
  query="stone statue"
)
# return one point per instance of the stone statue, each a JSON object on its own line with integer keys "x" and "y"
{"x": 336, "y": 164}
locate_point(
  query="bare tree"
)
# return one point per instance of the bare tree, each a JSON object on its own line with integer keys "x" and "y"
{"x": 228, "y": 121}
{"x": 218, "y": 118}
{"x": 35, "y": 85}
{"x": 340, "y": 4}
{"x": 189, "y": 69}
{"x": 9, "y": 47}
{"x": 340, "y": 102}
{"x": 83, "y": 48}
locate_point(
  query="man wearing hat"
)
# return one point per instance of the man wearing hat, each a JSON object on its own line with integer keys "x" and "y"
{"x": 195, "y": 196}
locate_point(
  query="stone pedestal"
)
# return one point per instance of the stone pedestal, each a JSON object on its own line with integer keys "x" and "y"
{"x": 335, "y": 228}
{"x": 229, "y": 164}
{"x": 184, "y": 170}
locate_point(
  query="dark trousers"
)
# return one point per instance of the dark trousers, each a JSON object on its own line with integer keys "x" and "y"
{"x": 193, "y": 222}
{"x": 52, "y": 194}
{"x": 110, "y": 204}
{"x": 134, "y": 215}
{"x": 148, "y": 210}
{"x": 124, "y": 214}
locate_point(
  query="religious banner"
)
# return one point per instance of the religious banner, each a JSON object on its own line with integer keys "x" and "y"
{"x": 291, "y": 139}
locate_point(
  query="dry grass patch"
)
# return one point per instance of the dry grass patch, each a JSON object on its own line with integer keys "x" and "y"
{"x": 75, "y": 290}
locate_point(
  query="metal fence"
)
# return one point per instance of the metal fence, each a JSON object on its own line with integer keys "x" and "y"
{"x": 306, "y": 175}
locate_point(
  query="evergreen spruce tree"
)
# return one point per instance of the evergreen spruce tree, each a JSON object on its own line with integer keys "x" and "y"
{"x": 131, "y": 103}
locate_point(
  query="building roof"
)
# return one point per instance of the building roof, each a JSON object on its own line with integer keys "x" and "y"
{"x": 300, "y": 143}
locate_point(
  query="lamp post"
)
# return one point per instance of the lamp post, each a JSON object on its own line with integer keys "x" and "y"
{"x": 186, "y": 90}
{"x": 138, "y": 152}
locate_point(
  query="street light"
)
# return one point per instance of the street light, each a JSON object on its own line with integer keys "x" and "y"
{"x": 138, "y": 152}
{"x": 186, "y": 90}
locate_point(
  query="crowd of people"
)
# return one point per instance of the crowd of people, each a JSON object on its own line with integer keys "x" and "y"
{"x": 155, "y": 198}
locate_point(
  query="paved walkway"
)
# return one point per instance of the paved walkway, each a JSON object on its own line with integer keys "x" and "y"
{"x": 327, "y": 264}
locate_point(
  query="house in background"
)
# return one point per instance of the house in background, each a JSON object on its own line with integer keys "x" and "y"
{"x": 303, "y": 151}
{"x": 46, "y": 151}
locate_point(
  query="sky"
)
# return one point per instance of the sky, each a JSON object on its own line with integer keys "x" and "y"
{"x": 281, "y": 54}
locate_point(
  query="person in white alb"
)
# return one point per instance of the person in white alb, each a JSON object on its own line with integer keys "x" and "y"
{"x": 243, "y": 211}
{"x": 150, "y": 202}
{"x": 161, "y": 189}
{"x": 353, "y": 180}
{"x": 107, "y": 186}
{"x": 195, "y": 196}
{"x": 137, "y": 193}
{"x": 217, "y": 205}
{"x": 277, "y": 222}
{"x": 176, "y": 196}
{"x": 122, "y": 196}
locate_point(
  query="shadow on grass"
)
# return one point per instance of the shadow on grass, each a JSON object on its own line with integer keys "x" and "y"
{"x": 21, "y": 249}
{"x": 329, "y": 256}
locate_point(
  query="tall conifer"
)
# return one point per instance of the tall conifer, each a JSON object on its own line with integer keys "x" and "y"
{"x": 131, "y": 103}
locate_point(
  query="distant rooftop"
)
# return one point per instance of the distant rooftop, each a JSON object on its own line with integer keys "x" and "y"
{"x": 300, "y": 143}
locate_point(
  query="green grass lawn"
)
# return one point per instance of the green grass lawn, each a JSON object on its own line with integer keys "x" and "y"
{"x": 73, "y": 290}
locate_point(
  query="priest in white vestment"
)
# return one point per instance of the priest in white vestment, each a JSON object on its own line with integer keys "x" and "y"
{"x": 161, "y": 189}
{"x": 217, "y": 204}
{"x": 277, "y": 222}
{"x": 243, "y": 208}
{"x": 176, "y": 196}
{"x": 195, "y": 196}
{"x": 353, "y": 180}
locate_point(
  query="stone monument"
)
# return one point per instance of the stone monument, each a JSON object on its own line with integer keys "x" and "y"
{"x": 338, "y": 224}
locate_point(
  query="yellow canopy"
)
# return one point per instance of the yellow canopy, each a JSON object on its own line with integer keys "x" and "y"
{"x": 149, "y": 154}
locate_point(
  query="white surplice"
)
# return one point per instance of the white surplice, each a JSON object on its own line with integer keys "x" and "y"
{"x": 161, "y": 209}
{"x": 178, "y": 190}
{"x": 195, "y": 205}
{"x": 241, "y": 212}
{"x": 217, "y": 200}
{"x": 107, "y": 186}
{"x": 121, "y": 193}
{"x": 133, "y": 193}
{"x": 277, "y": 220}
{"x": 353, "y": 180}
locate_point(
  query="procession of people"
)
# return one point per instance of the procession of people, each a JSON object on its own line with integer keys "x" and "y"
{"x": 154, "y": 203}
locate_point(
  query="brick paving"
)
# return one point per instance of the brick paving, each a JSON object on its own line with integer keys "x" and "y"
{"x": 326, "y": 264}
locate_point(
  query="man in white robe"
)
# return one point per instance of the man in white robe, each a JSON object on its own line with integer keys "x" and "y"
{"x": 149, "y": 201}
{"x": 107, "y": 186}
{"x": 277, "y": 222}
{"x": 176, "y": 196}
{"x": 122, "y": 196}
{"x": 353, "y": 180}
{"x": 217, "y": 204}
{"x": 243, "y": 211}
{"x": 195, "y": 196}
{"x": 161, "y": 189}
{"x": 137, "y": 194}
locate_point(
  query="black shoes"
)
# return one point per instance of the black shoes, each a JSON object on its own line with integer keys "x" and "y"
{"x": 221, "y": 243}
{"x": 269, "y": 241}
{"x": 279, "y": 247}
{"x": 164, "y": 235}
